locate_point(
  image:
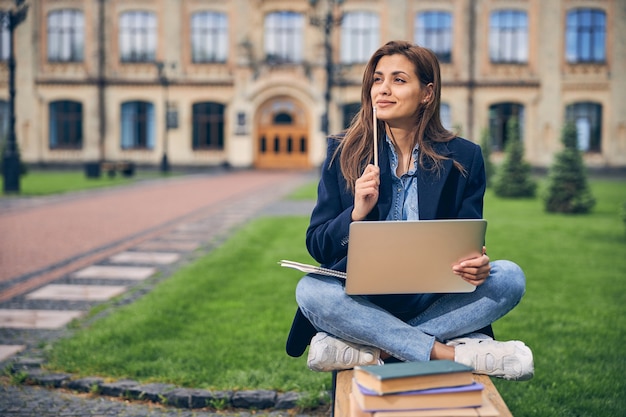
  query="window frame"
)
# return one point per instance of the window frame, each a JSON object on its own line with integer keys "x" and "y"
{"x": 508, "y": 36}
{"x": 140, "y": 34}
{"x": 4, "y": 121}
{"x": 137, "y": 125}
{"x": 65, "y": 123}
{"x": 283, "y": 33}
{"x": 592, "y": 112}
{"x": 499, "y": 115}
{"x": 445, "y": 115}
{"x": 360, "y": 28}
{"x": 212, "y": 122}
{"x": 5, "y": 36}
{"x": 65, "y": 29}
{"x": 433, "y": 30}
{"x": 573, "y": 41}
{"x": 349, "y": 112}
{"x": 209, "y": 37}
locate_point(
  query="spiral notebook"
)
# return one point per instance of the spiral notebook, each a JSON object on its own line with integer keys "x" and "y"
{"x": 406, "y": 257}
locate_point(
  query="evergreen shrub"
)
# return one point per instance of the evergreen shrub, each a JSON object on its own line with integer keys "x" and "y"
{"x": 513, "y": 179}
{"x": 567, "y": 190}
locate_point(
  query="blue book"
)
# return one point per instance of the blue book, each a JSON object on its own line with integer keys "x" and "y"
{"x": 410, "y": 376}
{"x": 449, "y": 397}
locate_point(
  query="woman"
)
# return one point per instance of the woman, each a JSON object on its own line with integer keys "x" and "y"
{"x": 425, "y": 172}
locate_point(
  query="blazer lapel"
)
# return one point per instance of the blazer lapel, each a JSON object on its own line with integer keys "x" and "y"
{"x": 384, "y": 193}
{"x": 430, "y": 185}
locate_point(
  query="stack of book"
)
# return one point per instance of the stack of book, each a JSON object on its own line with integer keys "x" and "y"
{"x": 438, "y": 388}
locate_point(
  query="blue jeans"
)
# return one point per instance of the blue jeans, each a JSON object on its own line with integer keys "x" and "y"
{"x": 406, "y": 326}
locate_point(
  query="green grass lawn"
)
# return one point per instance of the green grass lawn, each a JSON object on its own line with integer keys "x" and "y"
{"x": 219, "y": 323}
{"x": 46, "y": 182}
{"x": 307, "y": 192}
{"x": 574, "y": 312}
{"x": 222, "y": 321}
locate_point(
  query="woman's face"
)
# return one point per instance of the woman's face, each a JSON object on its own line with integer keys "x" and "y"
{"x": 397, "y": 92}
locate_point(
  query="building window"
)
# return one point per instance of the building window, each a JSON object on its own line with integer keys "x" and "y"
{"x": 445, "y": 116}
{"x": 283, "y": 37}
{"x": 4, "y": 122}
{"x": 350, "y": 110}
{"x": 433, "y": 30}
{"x": 359, "y": 37}
{"x": 588, "y": 120}
{"x": 66, "y": 125}
{"x": 137, "y": 125}
{"x": 65, "y": 36}
{"x": 208, "y": 126}
{"x": 138, "y": 35}
{"x": 585, "y": 36}
{"x": 508, "y": 37}
{"x": 209, "y": 37}
{"x": 5, "y": 36}
{"x": 499, "y": 116}
{"x": 283, "y": 119}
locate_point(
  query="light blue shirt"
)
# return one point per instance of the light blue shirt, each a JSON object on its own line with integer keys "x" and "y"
{"x": 404, "y": 196}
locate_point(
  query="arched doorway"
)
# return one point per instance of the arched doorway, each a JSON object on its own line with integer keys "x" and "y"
{"x": 282, "y": 135}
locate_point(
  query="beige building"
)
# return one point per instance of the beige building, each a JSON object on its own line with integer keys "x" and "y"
{"x": 245, "y": 82}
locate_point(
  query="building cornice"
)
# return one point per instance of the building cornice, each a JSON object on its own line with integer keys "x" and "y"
{"x": 112, "y": 82}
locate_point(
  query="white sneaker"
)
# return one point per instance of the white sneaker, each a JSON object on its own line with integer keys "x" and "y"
{"x": 472, "y": 337}
{"x": 327, "y": 353}
{"x": 511, "y": 360}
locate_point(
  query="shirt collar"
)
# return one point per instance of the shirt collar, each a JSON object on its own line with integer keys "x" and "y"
{"x": 393, "y": 160}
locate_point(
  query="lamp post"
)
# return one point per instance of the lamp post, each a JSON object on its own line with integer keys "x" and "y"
{"x": 165, "y": 165}
{"x": 327, "y": 22}
{"x": 10, "y": 155}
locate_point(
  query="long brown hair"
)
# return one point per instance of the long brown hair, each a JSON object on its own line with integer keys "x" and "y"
{"x": 356, "y": 147}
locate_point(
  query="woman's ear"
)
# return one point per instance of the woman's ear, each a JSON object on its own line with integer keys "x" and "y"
{"x": 428, "y": 94}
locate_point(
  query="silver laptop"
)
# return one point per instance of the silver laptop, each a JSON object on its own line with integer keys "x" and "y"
{"x": 410, "y": 257}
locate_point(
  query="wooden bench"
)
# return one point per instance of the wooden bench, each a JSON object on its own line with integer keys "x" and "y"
{"x": 126, "y": 168}
{"x": 342, "y": 382}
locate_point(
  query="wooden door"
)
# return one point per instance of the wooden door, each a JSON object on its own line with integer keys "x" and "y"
{"x": 282, "y": 136}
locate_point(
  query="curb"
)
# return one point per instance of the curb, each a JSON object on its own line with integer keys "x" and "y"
{"x": 30, "y": 371}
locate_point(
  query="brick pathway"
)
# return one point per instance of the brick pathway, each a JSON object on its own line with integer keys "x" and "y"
{"x": 60, "y": 256}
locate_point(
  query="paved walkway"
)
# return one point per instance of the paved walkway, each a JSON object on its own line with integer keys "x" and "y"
{"x": 61, "y": 255}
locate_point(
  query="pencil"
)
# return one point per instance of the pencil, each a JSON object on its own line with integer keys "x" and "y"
{"x": 375, "y": 138}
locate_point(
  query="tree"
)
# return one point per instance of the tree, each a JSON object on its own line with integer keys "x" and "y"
{"x": 485, "y": 147}
{"x": 567, "y": 190}
{"x": 513, "y": 179}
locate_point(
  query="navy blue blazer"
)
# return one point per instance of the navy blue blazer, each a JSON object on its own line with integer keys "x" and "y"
{"x": 443, "y": 194}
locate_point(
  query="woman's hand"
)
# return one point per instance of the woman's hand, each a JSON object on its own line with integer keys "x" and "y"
{"x": 475, "y": 270}
{"x": 366, "y": 192}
